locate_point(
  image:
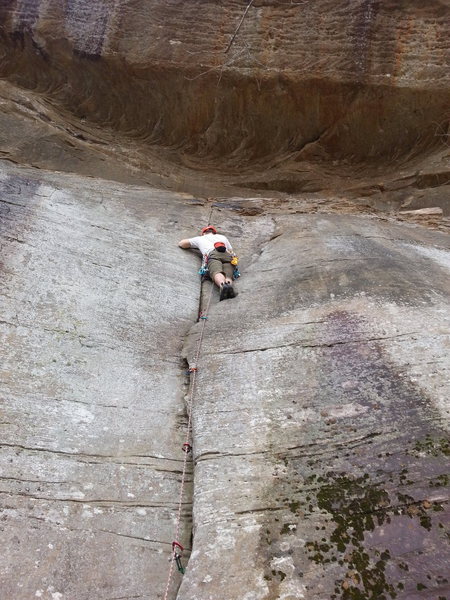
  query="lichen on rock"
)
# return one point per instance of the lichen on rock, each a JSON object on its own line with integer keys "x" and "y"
{"x": 315, "y": 136}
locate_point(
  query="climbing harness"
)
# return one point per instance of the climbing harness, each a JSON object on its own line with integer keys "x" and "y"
{"x": 203, "y": 271}
{"x": 177, "y": 548}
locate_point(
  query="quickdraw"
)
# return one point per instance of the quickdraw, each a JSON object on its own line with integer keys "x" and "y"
{"x": 177, "y": 550}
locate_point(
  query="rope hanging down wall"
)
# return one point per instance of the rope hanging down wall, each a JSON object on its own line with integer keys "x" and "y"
{"x": 177, "y": 548}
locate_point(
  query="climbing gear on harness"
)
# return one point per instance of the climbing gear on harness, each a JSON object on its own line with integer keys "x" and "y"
{"x": 176, "y": 546}
{"x": 208, "y": 228}
{"x": 204, "y": 268}
{"x": 234, "y": 262}
{"x": 177, "y": 549}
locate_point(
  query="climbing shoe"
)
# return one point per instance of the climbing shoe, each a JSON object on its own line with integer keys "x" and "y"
{"x": 224, "y": 291}
{"x": 231, "y": 293}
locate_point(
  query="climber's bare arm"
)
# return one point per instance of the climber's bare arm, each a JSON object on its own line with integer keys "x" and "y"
{"x": 184, "y": 244}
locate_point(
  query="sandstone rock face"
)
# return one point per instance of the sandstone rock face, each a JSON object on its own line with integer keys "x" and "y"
{"x": 320, "y": 414}
{"x": 94, "y": 306}
{"x": 325, "y": 97}
{"x": 321, "y": 425}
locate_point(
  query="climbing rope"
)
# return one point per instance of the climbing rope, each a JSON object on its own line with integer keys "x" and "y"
{"x": 177, "y": 548}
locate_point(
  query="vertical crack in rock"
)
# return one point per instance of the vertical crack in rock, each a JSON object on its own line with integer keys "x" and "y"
{"x": 189, "y": 395}
{"x": 322, "y": 466}
{"x": 93, "y": 302}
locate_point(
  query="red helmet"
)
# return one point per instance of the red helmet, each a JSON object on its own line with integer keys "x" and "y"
{"x": 208, "y": 228}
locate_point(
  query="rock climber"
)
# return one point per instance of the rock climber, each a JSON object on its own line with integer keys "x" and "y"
{"x": 218, "y": 255}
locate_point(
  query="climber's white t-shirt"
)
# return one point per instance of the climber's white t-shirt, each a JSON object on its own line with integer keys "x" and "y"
{"x": 205, "y": 243}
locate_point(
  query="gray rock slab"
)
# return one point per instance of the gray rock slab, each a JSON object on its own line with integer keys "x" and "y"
{"x": 95, "y": 301}
{"x": 321, "y": 418}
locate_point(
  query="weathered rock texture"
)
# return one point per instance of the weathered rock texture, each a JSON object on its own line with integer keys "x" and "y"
{"x": 95, "y": 303}
{"x": 321, "y": 415}
{"x": 321, "y": 452}
{"x": 309, "y": 96}
{"x": 321, "y": 458}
